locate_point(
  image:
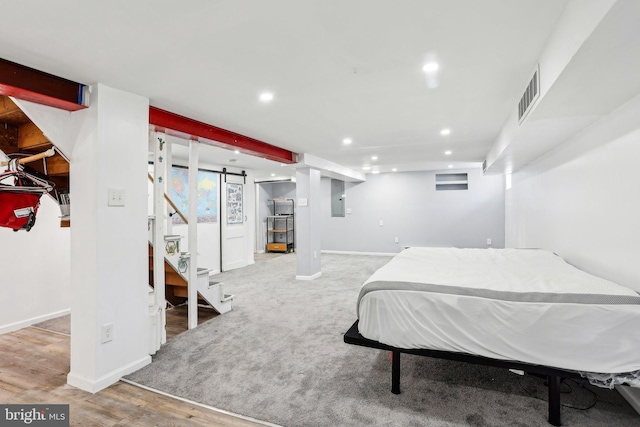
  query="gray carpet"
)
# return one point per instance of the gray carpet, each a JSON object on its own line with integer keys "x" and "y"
{"x": 279, "y": 356}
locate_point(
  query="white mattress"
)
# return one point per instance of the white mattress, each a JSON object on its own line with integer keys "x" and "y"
{"x": 525, "y": 305}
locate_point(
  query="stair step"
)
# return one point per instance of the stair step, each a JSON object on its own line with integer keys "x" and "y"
{"x": 176, "y": 290}
{"x": 202, "y": 271}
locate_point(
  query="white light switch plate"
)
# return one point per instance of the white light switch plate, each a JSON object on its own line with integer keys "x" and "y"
{"x": 116, "y": 197}
{"x": 302, "y": 201}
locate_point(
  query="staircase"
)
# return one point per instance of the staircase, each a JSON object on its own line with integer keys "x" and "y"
{"x": 176, "y": 280}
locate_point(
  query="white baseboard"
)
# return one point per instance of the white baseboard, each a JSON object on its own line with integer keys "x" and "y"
{"x": 360, "y": 253}
{"x": 315, "y": 276}
{"x": 94, "y": 386}
{"x": 631, "y": 395}
{"x": 32, "y": 321}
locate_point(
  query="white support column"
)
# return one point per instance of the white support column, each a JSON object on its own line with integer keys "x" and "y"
{"x": 159, "y": 211}
{"x": 308, "y": 227}
{"x": 109, "y": 239}
{"x": 193, "y": 234}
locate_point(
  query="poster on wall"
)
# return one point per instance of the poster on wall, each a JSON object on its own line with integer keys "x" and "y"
{"x": 234, "y": 203}
{"x": 207, "y": 195}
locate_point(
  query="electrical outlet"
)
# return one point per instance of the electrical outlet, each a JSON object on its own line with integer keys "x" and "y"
{"x": 380, "y": 223}
{"x": 489, "y": 242}
{"x": 107, "y": 332}
{"x": 397, "y": 241}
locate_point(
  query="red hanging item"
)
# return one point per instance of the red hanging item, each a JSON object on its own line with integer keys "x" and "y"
{"x": 20, "y": 195}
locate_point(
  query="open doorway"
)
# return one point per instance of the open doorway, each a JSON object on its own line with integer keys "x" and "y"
{"x": 266, "y": 193}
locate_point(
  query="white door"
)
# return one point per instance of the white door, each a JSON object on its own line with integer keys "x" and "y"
{"x": 233, "y": 224}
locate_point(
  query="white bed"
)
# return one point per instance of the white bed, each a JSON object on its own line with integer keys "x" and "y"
{"x": 523, "y": 305}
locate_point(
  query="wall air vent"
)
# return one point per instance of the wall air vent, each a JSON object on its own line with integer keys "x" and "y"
{"x": 452, "y": 181}
{"x": 530, "y": 95}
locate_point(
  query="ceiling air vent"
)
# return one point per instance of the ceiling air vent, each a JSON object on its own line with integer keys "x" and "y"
{"x": 530, "y": 95}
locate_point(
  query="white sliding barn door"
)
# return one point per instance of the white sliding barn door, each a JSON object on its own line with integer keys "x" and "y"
{"x": 233, "y": 223}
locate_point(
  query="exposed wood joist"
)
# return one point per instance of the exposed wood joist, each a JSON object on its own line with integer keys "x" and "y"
{"x": 183, "y": 127}
{"x": 57, "y": 166}
{"x": 11, "y": 116}
{"x": 8, "y": 138}
{"x": 40, "y": 87}
{"x": 30, "y": 137}
{"x": 10, "y": 112}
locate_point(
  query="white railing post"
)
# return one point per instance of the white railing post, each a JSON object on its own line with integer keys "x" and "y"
{"x": 168, "y": 162}
{"x": 193, "y": 235}
{"x": 159, "y": 211}
{"x": 155, "y": 332}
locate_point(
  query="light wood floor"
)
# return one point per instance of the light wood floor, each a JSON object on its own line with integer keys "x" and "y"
{"x": 33, "y": 370}
{"x": 177, "y": 319}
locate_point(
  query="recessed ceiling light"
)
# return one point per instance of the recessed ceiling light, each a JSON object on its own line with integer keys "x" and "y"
{"x": 445, "y": 131}
{"x": 266, "y": 97}
{"x": 375, "y": 171}
{"x": 347, "y": 141}
{"x": 394, "y": 170}
{"x": 273, "y": 174}
{"x": 236, "y": 151}
{"x": 430, "y": 67}
{"x": 448, "y": 152}
{"x": 366, "y": 168}
{"x": 450, "y": 166}
{"x": 374, "y": 157}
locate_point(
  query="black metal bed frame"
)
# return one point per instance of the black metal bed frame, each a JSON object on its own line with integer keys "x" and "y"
{"x": 553, "y": 374}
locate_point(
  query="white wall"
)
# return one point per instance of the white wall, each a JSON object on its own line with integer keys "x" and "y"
{"x": 582, "y": 200}
{"x": 35, "y": 271}
{"x": 412, "y": 210}
{"x": 109, "y": 256}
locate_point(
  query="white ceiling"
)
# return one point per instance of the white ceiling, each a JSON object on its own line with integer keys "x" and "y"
{"x": 338, "y": 68}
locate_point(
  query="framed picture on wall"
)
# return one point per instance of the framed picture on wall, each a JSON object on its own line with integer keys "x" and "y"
{"x": 234, "y": 203}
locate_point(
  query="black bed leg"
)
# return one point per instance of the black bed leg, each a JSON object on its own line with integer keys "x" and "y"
{"x": 395, "y": 372}
{"x": 554, "y": 400}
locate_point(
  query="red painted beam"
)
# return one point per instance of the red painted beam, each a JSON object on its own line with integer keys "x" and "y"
{"x": 37, "y": 86}
{"x": 33, "y": 85}
{"x": 184, "y": 127}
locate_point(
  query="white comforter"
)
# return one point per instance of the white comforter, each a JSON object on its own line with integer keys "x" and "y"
{"x": 513, "y": 304}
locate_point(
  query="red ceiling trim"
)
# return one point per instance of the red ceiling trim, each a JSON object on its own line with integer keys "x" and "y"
{"x": 37, "y": 86}
{"x": 184, "y": 127}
